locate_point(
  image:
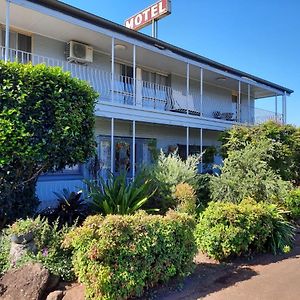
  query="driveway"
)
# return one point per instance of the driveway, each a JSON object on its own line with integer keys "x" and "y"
{"x": 265, "y": 277}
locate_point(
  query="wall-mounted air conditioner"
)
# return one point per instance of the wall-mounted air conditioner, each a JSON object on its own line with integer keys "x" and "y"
{"x": 78, "y": 52}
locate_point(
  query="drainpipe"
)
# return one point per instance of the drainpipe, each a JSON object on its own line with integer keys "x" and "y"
{"x": 7, "y": 24}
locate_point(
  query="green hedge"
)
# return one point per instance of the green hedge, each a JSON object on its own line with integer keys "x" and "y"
{"x": 227, "y": 229}
{"x": 46, "y": 123}
{"x": 292, "y": 203}
{"x": 117, "y": 257}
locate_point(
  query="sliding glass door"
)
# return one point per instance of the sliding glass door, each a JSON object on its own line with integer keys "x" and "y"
{"x": 123, "y": 155}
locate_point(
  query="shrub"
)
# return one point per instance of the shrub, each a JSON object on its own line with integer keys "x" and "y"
{"x": 245, "y": 173}
{"x": 165, "y": 174}
{"x": 292, "y": 203}
{"x": 51, "y": 253}
{"x": 70, "y": 209}
{"x": 116, "y": 196}
{"x": 227, "y": 229}
{"x": 48, "y": 240}
{"x": 117, "y": 257}
{"x": 284, "y": 158}
{"x": 185, "y": 196}
{"x": 46, "y": 123}
{"x": 203, "y": 190}
{"x": 4, "y": 252}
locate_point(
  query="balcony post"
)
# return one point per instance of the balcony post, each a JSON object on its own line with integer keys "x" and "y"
{"x": 276, "y": 108}
{"x": 133, "y": 149}
{"x": 249, "y": 105}
{"x": 187, "y": 86}
{"x": 7, "y": 24}
{"x": 201, "y": 92}
{"x": 134, "y": 74}
{"x": 112, "y": 68}
{"x": 239, "y": 103}
{"x": 201, "y": 149}
{"x": 284, "y": 108}
{"x": 187, "y": 141}
{"x": 112, "y": 146}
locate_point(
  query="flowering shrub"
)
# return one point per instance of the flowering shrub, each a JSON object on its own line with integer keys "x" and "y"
{"x": 226, "y": 229}
{"x": 117, "y": 257}
{"x": 48, "y": 240}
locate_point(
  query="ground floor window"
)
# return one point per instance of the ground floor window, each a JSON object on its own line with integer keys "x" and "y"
{"x": 123, "y": 154}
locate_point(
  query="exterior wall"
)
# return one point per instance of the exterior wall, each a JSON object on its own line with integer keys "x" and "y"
{"x": 52, "y": 48}
{"x": 165, "y": 136}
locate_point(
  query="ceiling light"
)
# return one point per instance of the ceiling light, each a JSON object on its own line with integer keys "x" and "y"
{"x": 120, "y": 47}
{"x": 221, "y": 79}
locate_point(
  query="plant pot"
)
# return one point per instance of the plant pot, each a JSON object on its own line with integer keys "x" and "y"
{"x": 23, "y": 238}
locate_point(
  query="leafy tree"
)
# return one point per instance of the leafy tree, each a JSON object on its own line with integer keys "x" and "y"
{"x": 246, "y": 173}
{"x": 46, "y": 123}
{"x": 285, "y": 153}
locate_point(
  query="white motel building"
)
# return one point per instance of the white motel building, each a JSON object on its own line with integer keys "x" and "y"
{"x": 151, "y": 92}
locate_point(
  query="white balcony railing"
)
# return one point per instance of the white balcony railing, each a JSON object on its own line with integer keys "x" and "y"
{"x": 146, "y": 94}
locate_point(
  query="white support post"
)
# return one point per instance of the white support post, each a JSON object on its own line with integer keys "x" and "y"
{"x": 134, "y": 74}
{"x": 133, "y": 149}
{"x": 7, "y": 24}
{"x": 112, "y": 146}
{"x": 249, "y": 105}
{"x": 284, "y": 108}
{"x": 112, "y": 68}
{"x": 187, "y": 141}
{"x": 201, "y": 149}
{"x": 201, "y": 92}
{"x": 187, "y": 86}
{"x": 239, "y": 103}
{"x": 276, "y": 108}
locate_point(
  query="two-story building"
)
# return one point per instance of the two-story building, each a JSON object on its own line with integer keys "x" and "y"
{"x": 151, "y": 92}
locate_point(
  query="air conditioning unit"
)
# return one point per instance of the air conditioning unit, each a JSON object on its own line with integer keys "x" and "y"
{"x": 78, "y": 52}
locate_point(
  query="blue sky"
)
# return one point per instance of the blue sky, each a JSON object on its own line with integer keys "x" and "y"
{"x": 260, "y": 37}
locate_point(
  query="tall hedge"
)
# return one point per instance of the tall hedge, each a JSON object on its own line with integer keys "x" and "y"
{"x": 46, "y": 123}
{"x": 117, "y": 257}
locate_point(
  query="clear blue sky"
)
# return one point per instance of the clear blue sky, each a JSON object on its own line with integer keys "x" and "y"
{"x": 261, "y": 37}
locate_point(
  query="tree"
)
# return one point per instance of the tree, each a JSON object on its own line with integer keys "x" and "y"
{"x": 246, "y": 173}
{"x": 46, "y": 123}
{"x": 284, "y": 156}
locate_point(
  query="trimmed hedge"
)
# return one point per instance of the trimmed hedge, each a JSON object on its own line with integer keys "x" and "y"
{"x": 117, "y": 257}
{"x": 46, "y": 123}
{"x": 226, "y": 229}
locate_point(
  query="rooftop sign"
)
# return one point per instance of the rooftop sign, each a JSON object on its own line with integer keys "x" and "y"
{"x": 152, "y": 13}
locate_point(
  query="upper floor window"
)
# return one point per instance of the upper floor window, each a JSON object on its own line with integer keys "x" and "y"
{"x": 17, "y": 41}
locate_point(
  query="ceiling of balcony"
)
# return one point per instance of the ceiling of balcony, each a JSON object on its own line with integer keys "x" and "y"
{"x": 35, "y": 22}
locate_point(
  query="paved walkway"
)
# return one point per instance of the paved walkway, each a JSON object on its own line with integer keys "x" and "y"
{"x": 266, "y": 277}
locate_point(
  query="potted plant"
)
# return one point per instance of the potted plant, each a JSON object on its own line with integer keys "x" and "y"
{"x": 22, "y": 231}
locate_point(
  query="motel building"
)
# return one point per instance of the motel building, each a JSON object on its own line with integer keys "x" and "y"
{"x": 151, "y": 92}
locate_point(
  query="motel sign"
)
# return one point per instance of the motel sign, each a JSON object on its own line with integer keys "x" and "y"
{"x": 149, "y": 15}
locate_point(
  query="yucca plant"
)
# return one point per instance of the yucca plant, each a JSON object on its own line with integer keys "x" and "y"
{"x": 116, "y": 196}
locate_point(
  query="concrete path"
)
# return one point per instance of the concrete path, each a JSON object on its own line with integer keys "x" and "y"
{"x": 266, "y": 277}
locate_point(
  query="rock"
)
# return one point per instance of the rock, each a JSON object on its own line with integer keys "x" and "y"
{"x": 56, "y": 295}
{"x": 26, "y": 283}
{"x": 18, "y": 250}
{"x": 76, "y": 292}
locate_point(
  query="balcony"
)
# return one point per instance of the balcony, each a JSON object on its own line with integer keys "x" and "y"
{"x": 124, "y": 90}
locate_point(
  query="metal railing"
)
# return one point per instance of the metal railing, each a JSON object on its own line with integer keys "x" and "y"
{"x": 126, "y": 90}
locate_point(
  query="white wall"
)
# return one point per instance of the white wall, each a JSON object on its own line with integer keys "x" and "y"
{"x": 52, "y": 48}
{"x": 165, "y": 135}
